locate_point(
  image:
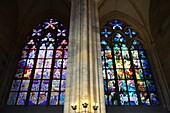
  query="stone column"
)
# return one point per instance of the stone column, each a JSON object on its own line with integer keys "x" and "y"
{"x": 84, "y": 73}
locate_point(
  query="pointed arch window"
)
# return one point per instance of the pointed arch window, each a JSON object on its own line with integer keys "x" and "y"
{"x": 126, "y": 71}
{"x": 40, "y": 78}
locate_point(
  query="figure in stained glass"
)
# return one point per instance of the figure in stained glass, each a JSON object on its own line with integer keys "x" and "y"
{"x": 125, "y": 67}
{"x": 43, "y": 60}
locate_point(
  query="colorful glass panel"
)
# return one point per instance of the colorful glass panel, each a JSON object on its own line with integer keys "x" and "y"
{"x": 54, "y": 98}
{"x": 40, "y": 78}
{"x": 22, "y": 98}
{"x": 125, "y": 67}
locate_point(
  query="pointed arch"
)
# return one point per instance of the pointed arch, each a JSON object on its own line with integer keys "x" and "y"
{"x": 126, "y": 70}
{"x": 40, "y": 77}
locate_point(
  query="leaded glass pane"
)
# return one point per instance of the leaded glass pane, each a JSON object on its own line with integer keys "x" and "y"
{"x": 125, "y": 67}
{"x": 40, "y": 78}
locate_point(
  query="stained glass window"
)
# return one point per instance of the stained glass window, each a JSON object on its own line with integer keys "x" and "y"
{"x": 40, "y": 77}
{"x": 125, "y": 67}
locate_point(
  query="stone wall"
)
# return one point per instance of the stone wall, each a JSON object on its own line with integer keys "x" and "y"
{"x": 160, "y": 28}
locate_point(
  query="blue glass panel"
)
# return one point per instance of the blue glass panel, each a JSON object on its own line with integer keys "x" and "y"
{"x": 54, "y": 98}
{"x": 103, "y": 42}
{"x": 33, "y": 98}
{"x": 58, "y": 63}
{"x": 12, "y": 98}
{"x": 56, "y": 73}
{"x": 130, "y": 32}
{"x": 105, "y": 32}
{"x": 36, "y": 32}
{"x": 116, "y": 24}
{"x": 46, "y": 73}
{"x": 22, "y": 98}
{"x": 124, "y": 98}
{"x": 50, "y": 46}
{"x": 63, "y": 85}
{"x": 122, "y": 85}
{"x": 55, "y": 85}
{"x": 154, "y": 99}
{"x": 15, "y": 85}
{"x": 147, "y": 74}
{"x": 136, "y": 64}
{"x": 35, "y": 85}
{"x": 64, "y": 63}
{"x": 38, "y": 73}
{"x": 145, "y": 64}
{"x": 49, "y": 54}
{"x": 150, "y": 85}
{"x": 44, "y": 85}
{"x": 131, "y": 85}
{"x": 42, "y": 98}
{"x": 40, "y": 63}
{"x": 106, "y": 99}
{"x": 109, "y": 63}
{"x": 144, "y": 98}
{"x": 62, "y": 96}
{"x": 142, "y": 54}
{"x": 64, "y": 73}
{"x": 133, "y": 98}
{"x": 19, "y": 73}
{"x": 22, "y": 63}
{"x": 32, "y": 53}
{"x": 25, "y": 85}
{"x": 41, "y": 53}
{"x": 65, "y": 53}
{"x": 48, "y": 63}
{"x": 30, "y": 63}
{"x": 105, "y": 85}
{"x": 61, "y": 32}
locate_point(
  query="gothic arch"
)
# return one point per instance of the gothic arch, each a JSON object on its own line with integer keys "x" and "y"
{"x": 26, "y": 26}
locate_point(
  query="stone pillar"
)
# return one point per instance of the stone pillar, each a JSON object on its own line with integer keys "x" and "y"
{"x": 8, "y": 74}
{"x": 84, "y": 73}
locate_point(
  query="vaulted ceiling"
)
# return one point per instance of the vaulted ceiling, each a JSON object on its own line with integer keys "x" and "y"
{"x": 136, "y": 9}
